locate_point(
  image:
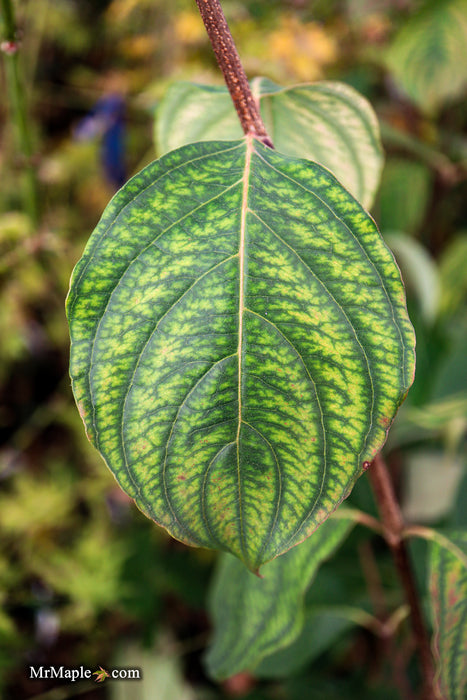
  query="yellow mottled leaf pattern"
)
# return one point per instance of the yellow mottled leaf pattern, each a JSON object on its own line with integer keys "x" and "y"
{"x": 448, "y": 598}
{"x": 240, "y": 344}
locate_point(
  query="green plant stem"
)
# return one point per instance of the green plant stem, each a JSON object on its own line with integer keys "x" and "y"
{"x": 393, "y": 524}
{"x": 19, "y": 117}
{"x": 229, "y": 62}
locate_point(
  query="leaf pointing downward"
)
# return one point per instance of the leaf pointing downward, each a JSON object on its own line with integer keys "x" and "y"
{"x": 273, "y": 605}
{"x": 240, "y": 344}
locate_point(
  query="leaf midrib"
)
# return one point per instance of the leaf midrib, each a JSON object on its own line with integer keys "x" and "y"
{"x": 241, "y": 310}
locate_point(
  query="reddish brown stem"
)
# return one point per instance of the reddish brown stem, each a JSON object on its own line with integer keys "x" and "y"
{"x": 232, "y": 69}
{"x": 393, "y": 523}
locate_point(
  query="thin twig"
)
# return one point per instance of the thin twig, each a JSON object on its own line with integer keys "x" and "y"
{"x": 393, "y": 532}
{"x": 364, "y": 519}
{"x": 10, "y": 48}
{"x": 232, "y": 69}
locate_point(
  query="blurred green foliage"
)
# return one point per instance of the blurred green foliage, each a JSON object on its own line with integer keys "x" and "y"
{"x": 84, "y": 577}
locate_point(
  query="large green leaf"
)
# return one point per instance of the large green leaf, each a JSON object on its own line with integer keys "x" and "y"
{"x": 327, "y": 122}
{"x": 448, "y": 597}
{"x": 429, "y": 57}
{"x": 240, "y": 344}
{"x": 272, "y": 605}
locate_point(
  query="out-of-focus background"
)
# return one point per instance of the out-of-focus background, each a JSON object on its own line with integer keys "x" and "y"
{"x": 85, "y": 578}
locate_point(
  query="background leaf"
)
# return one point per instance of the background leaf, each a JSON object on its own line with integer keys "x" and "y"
{"x": 321, "y": 629}
{"x": 240, "y": 344}
{"x": 448, "y": 597}
{"x": 428, "y": 56}
{"x": 453, "y": 273}
{"x": 161, "y": 673}
{"x": 273, "y": 605}
{"x": 327, "y": 122}
{"x": 431, "y": 480}
{"x": 404, "y": 195}
{"x": 419, "y": 271}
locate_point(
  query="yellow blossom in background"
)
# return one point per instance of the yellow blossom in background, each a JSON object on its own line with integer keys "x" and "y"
{"x": 120, "y": 10}
{"x": 141, "y": 46}
{"x": 304, "y": 49}
{"x": 188, "y": 27}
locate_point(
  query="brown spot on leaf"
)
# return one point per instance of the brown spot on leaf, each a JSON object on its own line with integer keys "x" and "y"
{"x": 82, "y": 411}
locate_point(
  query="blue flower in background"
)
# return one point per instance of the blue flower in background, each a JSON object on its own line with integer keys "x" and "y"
{"x": 107, "y": 119}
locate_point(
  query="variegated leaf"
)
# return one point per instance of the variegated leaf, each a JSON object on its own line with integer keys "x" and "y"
{"x": 273, "y": 604}
{"x": 448, "y": 598}
{"x": 240, "y": 344}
